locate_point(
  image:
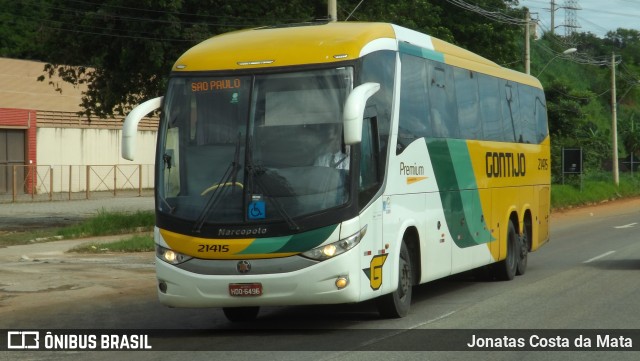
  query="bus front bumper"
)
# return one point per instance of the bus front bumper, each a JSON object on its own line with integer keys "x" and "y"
{"x": 311, "y": 285}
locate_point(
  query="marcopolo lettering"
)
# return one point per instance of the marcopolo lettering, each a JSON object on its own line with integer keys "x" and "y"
{"x": 504, "y": 165}
{"x": 242, "y": 232}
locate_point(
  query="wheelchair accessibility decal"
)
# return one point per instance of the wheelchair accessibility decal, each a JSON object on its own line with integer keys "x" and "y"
{"x": 257, "y": 208}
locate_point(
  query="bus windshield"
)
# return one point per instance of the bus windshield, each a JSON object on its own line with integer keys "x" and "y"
{"x": 253, "y": 148}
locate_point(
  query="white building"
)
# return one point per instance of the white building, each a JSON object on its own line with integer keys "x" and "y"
{"x": 46, "y": 147}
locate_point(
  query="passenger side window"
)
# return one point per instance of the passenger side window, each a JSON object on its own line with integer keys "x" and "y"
{"x": 414, "y": 119}
{"x": 490, "y": 108}
{"x": 442, "y": 99}
{"x": 469, "y": 115}
{"x": 541, "y": 116}
{"x": 528, "y": 123}
{"x": 509, "y": 111}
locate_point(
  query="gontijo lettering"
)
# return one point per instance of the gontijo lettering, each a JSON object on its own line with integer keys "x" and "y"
{"x": 505, "y": 164}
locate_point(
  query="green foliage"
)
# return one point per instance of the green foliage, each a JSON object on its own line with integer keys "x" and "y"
{"x": 137, "y": 243}
{"x": 579, "y": 96}
{"x": 595, "y": 188}
{"x": 123, "y": 51}
{"x": 20, "y": 30}
{"x": 107, "y": 223}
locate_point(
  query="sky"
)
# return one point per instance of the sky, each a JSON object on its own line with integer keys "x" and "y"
{"x": 595, "y": 16}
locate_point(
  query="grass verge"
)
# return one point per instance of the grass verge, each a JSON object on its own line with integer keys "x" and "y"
{"x": 103, "y": 224}
{"x": 109, "y": 223}
{"x": 593, "y": 190}
{"x": 137, "y": 243}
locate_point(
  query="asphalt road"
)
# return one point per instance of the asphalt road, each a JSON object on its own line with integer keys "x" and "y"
{"x": 585, "y": 279}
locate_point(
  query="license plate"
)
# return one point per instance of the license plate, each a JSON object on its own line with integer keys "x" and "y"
{"x": 245, "y": 289}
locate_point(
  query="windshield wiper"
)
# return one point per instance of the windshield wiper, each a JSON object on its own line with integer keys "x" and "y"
{"x": 167, "y": 159}
{"x": 254, "y": 172}
{"x": 230, "y": 176}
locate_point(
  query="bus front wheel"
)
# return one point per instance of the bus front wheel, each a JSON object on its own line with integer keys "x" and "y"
{"x": 397, "y": 303}
{"x": 241, "y": 314}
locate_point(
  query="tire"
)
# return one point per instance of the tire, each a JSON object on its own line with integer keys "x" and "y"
{"x": 241, "y": 314}
{"x": 397, "y": 303}
{"x": 524, "y": 250}
{"x": 506, "y": 269}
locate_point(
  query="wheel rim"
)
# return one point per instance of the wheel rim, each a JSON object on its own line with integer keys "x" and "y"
{"x": 512, "y": 258}
{"x": 405, "y": 278}
{"x": 524, "y": 246}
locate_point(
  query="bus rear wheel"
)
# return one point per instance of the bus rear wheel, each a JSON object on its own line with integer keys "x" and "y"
{"x": 506, "y": 269}
{"x": 241, "y": 314}
{"x": 524, "y": 250}
{"x": 397, "y": 303}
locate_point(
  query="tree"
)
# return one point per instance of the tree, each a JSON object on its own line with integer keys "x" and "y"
{"x": 124, "y": 52}
{"x": 496, "y": 40}
{"x": 630, "y": 134}
{"x": 20, "y": 32}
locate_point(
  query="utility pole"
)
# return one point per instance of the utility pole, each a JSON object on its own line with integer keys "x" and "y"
{"x": 333, "y": 10}
{"x": 614, "y": 121}
{"x": 527, "y": 46}
{"x": 553, "y": 12}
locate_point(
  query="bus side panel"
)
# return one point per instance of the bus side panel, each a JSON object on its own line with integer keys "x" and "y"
{"x": 401, "y": 212}
{"x": 466, "y": 258}
{"x": 436, "y": 243}
{"x": 413, "y": 198}
{"x": 504, "y": 201}
{"x": 373, "y": 261}
{"x": 541, "y": 218}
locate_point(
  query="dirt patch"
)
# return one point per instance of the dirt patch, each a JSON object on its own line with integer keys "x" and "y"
{"x": 604, "y": 208}
{"x": 43, "y": 274}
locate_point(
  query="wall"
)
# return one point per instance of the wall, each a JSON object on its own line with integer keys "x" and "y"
{"x": 66, "y": 152}
{"x": 19, "y": 88}
{"x": 75, "y": 155}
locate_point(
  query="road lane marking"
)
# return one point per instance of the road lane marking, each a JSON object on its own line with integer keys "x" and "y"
{"x": 630, "y": 225}
{"x": 397, "y": 332}
{"x": 598, "y": 257}
{"x": 433, "y": 320}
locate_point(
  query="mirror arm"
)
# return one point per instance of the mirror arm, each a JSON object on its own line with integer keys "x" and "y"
{"x": 130, "y": 127}
{"x": 354, "y": 111}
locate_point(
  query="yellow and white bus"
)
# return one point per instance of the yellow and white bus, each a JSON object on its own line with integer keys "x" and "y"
{"x": 339, "y": 162}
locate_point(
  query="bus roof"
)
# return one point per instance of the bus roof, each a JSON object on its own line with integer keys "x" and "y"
{"x": 283, "y": 46}
{"x": 323, "y": 42}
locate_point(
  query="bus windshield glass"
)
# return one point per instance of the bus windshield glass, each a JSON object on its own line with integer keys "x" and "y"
{"x": 253, "y": 148}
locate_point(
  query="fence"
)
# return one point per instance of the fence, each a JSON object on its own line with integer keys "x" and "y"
{"x": 23, "y": 183}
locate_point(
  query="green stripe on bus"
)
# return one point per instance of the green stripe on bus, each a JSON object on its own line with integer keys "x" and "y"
{"x": 266, "y": 245}
{"x": 286, "y": 244}
{"x": 303, "y": 242}
{"x": 420, "y": 52}
{"x": 458, "y": 192}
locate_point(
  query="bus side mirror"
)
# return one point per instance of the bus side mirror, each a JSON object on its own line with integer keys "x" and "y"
{"x": 354, "y": 111}
{"x": 130, "y": 127}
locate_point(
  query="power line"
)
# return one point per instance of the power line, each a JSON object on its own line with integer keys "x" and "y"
{"x": 126, "y": 31}
{"x": 155, "y": 11}
{"x": 354, "y": 10}
{"x": 496, "y": 15}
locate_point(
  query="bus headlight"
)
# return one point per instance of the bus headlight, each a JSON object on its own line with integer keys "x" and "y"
{"x": 171, "y": 256}
{"x": 333, "y": 249}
